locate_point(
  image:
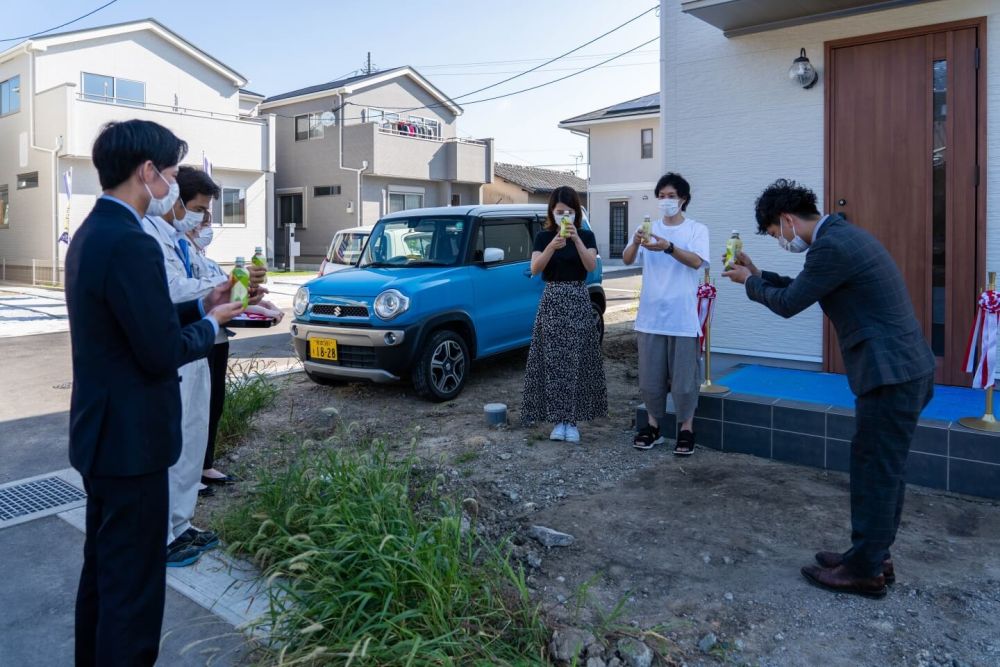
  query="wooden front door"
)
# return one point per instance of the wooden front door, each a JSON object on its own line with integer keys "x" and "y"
{"x": 904, "y": 127}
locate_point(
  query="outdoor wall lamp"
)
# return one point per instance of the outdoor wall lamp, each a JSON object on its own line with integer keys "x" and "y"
{"x": 802, "y": 72}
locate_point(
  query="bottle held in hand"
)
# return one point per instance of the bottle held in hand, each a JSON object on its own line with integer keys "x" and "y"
{"x": 734, "y": 246}
{"x": 258, "y": 259}
{"x": 564, "y": 224}
{"x": 241, "y": 283}
{"x": 647, "y": 229}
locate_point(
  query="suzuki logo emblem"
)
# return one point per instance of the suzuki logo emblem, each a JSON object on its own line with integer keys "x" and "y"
{"x": 336, "y": 311}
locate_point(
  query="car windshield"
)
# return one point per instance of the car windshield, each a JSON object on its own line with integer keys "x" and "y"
{"x": 417, "y": 241}
{"x": 346, "y": 247}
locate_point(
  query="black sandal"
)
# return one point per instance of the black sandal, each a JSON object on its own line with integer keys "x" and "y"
{"x": 685, "y": 443}
{"x": 647, "y": 437}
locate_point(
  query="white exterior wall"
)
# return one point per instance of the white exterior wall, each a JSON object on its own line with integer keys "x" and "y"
{"x": 734, "y": 123}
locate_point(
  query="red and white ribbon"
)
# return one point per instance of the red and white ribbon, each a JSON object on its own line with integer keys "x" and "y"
{"x": 983, "y": 341}
{"x": 706, "y": 307}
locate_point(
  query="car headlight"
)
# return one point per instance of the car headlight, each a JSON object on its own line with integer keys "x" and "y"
{"x": 301, "y": 301}
{"x": 391, "y": 303}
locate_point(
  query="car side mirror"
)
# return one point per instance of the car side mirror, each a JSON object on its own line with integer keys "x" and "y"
{"x": 492, "y": 255}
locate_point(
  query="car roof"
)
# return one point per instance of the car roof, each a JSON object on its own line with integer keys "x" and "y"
{"x": 364, "y": 230}
{"x": 476, "y": 209}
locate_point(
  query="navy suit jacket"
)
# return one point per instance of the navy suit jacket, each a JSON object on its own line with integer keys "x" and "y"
{"x": 128, "y": 341}
{"x": 859, "y": 287}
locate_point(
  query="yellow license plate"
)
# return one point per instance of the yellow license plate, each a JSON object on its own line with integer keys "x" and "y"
{"x": 324, "y": 349}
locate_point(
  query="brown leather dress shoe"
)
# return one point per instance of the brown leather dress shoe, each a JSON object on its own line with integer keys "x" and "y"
{"x": 831, "y": 559}
{"x": 841, "y": 580}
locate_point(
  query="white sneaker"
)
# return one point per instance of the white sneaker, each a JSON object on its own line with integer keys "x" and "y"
{"x": 559, "y": 432}
{"x": 572, "y": 433}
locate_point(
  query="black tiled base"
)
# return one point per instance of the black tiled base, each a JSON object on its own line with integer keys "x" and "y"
{"x": 943, "y": 455}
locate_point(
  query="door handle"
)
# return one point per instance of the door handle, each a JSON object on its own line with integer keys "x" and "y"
{"x": 527, "y": 273}
{"x": 841, "y": 202}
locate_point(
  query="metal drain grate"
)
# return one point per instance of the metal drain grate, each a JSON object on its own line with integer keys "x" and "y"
{"x": 37, "y": 496}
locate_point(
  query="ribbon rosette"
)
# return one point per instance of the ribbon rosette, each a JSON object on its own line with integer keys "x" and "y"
{"x": 983, "y": 341}
{"x": 706, "y": 306}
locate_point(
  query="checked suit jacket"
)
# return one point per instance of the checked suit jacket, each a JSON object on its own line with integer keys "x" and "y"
{"x": 860, "y": 288}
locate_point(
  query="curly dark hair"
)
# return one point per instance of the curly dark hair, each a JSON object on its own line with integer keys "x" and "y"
{"x": 784, "y": 196}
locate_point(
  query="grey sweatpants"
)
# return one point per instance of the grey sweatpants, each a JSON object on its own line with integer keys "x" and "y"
{"x": 669, "y": 364}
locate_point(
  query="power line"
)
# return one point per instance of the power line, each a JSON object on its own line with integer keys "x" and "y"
{"x": 552, "y": 60}
{"x": 524, "y": 60}
{"x": 558, "y": 69}
{"x": 63, "y": 25}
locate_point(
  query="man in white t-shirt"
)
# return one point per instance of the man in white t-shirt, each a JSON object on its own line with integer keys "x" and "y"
{"x": 667, "y": 324}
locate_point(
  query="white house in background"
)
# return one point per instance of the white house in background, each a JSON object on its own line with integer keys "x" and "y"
{"x": 622, "y": 147}
{"x": 901, "y": 133}
{"x": 57, "y": 91}
{"x": 352, "y": 150}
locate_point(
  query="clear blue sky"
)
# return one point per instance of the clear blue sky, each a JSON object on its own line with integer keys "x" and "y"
{"x": 283, "y": 46}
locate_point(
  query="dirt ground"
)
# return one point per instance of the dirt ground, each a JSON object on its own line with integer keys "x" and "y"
{"x": 707, "y": 545}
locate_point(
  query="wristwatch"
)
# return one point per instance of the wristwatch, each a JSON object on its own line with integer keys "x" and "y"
{"x": 669, "y": 249}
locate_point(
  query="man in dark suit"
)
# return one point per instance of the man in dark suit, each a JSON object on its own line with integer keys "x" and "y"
{"x": 890, "y": 367}
{"x": 128, "y": 340}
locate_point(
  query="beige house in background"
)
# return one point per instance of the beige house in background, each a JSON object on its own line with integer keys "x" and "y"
{"x": 57, "y": 91}
{"x": 353, "y": 150}
{"x": 623, "y": 144}
{"x": 519, "y": 184}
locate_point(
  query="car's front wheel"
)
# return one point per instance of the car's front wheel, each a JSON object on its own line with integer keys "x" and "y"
{"x": 443, "y": 367}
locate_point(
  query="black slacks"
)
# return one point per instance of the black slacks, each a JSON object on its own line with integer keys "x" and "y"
{"x": 218, "y": 364}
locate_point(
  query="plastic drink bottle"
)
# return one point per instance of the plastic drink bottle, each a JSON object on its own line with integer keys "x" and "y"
{"x": 734, "y": 246}
{"x": 647, "y": 229}
{"x": 241, "y": 288}
{"x": 564, "y": 225}
{"x": 258, "y": 259}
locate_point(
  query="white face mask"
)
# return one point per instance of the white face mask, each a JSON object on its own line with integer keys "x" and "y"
{"x": 204, "y": 238}
{"x": 189, "y": 221}
{"x": 163, "y": 205}
{"x": 797, "y": 244}
{"x": 571, "y": 216}
{"x": 669, "y": 207}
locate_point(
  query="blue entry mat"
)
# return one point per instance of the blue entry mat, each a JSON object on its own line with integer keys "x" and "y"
{"x": 948, "y": 404}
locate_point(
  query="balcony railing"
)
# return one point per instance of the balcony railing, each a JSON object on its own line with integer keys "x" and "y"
{"x": 167, "y": 108}
{"x": 394, "y": 129}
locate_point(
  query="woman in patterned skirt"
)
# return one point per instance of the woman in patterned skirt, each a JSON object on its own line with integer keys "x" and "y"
{"x": 564, "y": 381}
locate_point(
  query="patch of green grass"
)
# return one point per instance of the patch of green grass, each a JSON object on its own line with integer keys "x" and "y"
{"x": 248, "y": 391}
{"x": 371, "y": 566}
{"x": 466, "y": 457}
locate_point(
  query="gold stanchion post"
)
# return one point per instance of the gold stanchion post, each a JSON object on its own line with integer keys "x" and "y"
{"x": 707, "y": 387}
{"x": 988, "y": 422}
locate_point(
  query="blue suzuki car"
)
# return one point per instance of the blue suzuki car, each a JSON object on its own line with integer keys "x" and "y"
{"x": 433, "y": 290}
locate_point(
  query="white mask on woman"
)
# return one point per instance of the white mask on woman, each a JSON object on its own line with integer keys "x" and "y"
{"x": 669, "y": 207}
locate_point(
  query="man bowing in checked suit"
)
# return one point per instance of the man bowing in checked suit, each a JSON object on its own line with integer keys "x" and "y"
{"x": 890, "y": 367}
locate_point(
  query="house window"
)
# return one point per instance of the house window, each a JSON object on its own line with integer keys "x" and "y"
{"x": 426, "y": 127}
{"x": 4, "y": 207}
{"x": 102, "y": 88}
{"x": 10, "y": 96}
{"x": 399, "y": 201}
{"x": 326, "y": 190}
{"x": 308, "y": 126}
{"x": 25, "y": 181}
{"x": 647, "y": 143}
{"x": 234, "y": 206}
{"x": 374, "y": 116}
{"x": 456, "y": 200}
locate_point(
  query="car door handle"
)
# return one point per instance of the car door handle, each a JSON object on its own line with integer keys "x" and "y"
{"x": 527, "y": 273}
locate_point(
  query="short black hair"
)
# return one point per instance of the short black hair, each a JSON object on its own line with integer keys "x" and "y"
{"x": 679, "y": 183}
{"x": 784, "y": 196}
{"x": 122, "y": 147}
{"x": 564, "y": 194}
{"x": 193, "y": 182}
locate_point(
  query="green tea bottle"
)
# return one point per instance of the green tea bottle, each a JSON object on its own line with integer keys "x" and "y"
{"x": 241, "y": 288}
{"x": 258, "y": 259}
